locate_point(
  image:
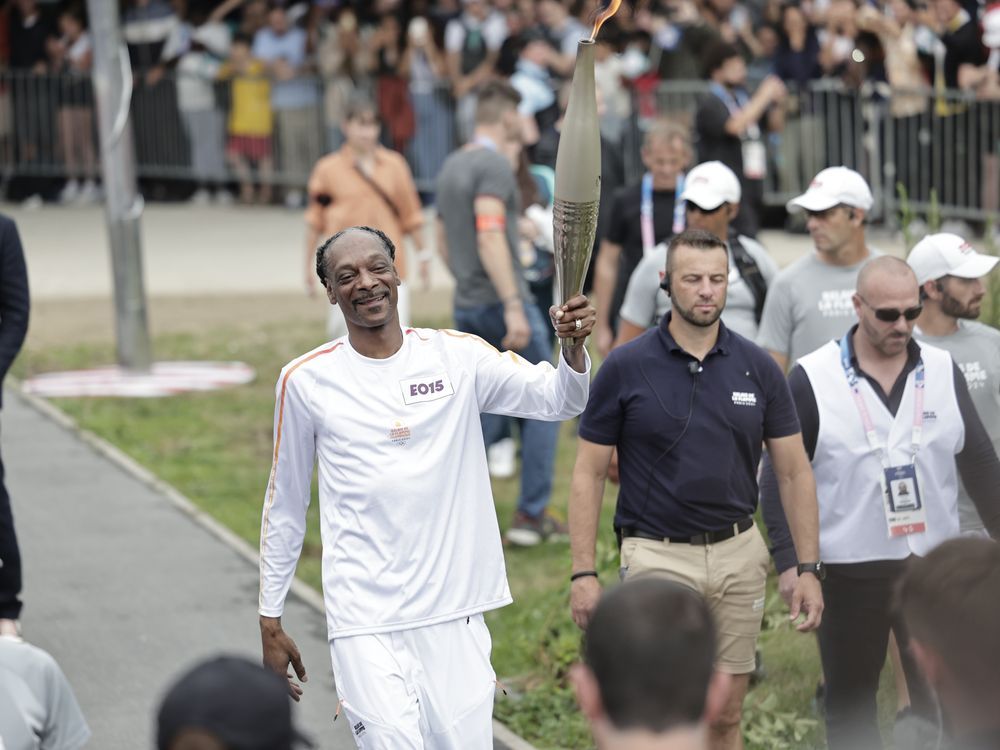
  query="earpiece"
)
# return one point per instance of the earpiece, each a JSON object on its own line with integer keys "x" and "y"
{"x": 665, "y": 284}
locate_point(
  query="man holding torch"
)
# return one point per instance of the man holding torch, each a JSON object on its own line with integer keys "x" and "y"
{"x": 411, "y": 550}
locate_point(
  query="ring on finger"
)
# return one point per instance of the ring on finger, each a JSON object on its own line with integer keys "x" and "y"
{"x": 578, "y": 323}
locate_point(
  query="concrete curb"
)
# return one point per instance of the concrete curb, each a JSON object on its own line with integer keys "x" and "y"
{"x": 501, "y": 734}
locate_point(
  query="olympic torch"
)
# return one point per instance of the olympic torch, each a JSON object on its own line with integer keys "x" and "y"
{"x": 578, "y": 181}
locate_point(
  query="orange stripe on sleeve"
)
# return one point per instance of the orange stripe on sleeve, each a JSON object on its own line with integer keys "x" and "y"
{"x": 277, "y": 438}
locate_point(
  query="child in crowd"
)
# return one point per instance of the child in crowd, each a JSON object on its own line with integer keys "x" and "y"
{"x": 251, "y": 121}
{"x": 72, "y": 57}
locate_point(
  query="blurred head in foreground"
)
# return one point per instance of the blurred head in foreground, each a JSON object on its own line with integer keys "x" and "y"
{"x": 227, "y": 703}
{"x": 648, "y": 678}
{"x": 951, "y": 608}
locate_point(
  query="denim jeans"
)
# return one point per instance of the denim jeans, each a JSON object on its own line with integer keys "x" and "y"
{"x": 538, "y": 439}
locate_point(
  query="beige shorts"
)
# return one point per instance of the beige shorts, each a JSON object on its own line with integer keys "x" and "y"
{"x": 731, "y": 575}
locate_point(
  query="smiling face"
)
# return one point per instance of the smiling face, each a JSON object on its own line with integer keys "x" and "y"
{"x": 361, "y": 279}
{"x": 698, "y": 283}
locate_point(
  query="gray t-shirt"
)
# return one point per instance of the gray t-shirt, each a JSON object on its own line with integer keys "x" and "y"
{"x": 466, "y": 175}
{"x": 976, "y": 350}
{"x": 808, "y": 304}
{"x": 38, "y": 710}
{"x": 646, "y": 303}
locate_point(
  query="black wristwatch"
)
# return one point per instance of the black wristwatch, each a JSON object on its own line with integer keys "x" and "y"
{"x": 816, "y": 568}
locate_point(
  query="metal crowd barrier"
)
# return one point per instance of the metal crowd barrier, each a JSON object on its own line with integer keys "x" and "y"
{"x": 174, "y": 143}
{"x": 939, "y": 149}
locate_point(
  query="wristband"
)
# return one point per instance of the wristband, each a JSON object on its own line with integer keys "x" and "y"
{"x": 583, "y": 574}
{"x": 511, "y": 300}
{"x": 491, "y": 223}
{"x": 425, "y": 254}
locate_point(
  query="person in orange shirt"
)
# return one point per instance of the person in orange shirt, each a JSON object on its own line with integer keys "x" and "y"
{"x": 365, "y": 183}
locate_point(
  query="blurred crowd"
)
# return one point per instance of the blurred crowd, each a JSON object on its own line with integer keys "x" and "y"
{"x": 251, "y": 92}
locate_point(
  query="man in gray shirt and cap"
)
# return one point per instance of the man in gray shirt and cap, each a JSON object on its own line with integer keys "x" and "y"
{"x": 951, "y": 277}
{"x": 809, "y": 302}
{"x": 711, "y": 198}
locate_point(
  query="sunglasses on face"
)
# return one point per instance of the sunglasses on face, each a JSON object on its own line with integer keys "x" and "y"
{"x": 891, "y": 314}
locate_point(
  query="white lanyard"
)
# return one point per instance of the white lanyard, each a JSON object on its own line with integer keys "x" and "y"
{"x": 866, "y": 419}
{"x": 646, "y": 212}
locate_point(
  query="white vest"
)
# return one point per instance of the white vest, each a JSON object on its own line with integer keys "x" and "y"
{"x": 852, "y": 521}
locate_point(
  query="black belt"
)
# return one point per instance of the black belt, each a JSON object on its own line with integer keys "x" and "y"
{"x": 705, "y": 537}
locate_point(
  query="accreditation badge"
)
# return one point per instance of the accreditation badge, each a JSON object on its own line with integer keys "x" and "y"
{"x": 754, "y": 160}
{"x": 904, "y": 510}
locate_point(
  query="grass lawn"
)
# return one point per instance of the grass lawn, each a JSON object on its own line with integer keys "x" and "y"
{"x": 216, "y": 449}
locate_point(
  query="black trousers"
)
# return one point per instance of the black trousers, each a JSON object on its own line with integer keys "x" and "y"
{"x": 10, "y": 558}
{"x": 852, "y": 640}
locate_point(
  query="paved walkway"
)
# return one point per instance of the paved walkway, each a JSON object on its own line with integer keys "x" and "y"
{"x": 126, "y": 590}
{"x": 127, "y": 585}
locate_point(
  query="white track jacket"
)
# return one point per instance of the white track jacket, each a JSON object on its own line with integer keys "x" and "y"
{"x": 409, "y": 530}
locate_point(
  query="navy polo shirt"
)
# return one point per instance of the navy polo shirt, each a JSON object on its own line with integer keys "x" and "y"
{"x": 688, "y": 443}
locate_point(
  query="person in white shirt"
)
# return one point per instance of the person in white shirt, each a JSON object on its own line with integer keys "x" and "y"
{"x": 411, "y": 548}
{"x": 879, "y": 410}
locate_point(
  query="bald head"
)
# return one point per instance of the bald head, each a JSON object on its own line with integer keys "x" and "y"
{"x": 883, "y": 270}
{"x": 887, "y": 303}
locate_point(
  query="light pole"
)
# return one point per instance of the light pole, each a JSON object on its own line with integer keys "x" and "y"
{"x": 123, "y": 205}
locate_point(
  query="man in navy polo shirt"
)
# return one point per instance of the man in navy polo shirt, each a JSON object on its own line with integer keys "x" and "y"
{"x": 688, "y": 406}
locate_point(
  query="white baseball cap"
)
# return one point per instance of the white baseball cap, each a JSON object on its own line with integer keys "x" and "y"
{"x": 834, "y": 186}
{"x": 944, "y": 254}
{"x": 711, "y": 184}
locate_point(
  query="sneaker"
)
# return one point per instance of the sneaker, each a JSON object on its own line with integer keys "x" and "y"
{"x": 526, "y": 531}
{"x": 223, "y": 198}
{"x": 32, "y": 202}
{"x": 201, "y": 197}
{"x": 501, "y": 458}
{"x": 69, "y": 192}
{"x": 294, "y": 199}
{"x": 89, "y": 194}
{"x": 10, "y": 629}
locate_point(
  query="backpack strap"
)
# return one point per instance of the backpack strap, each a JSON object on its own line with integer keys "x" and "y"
{"x": 750, "y": 273}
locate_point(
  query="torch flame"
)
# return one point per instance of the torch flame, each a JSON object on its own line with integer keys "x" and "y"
{"x": 603, "y": 16}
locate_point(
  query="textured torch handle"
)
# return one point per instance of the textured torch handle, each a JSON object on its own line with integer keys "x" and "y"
{"x": 575, "y": 226}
